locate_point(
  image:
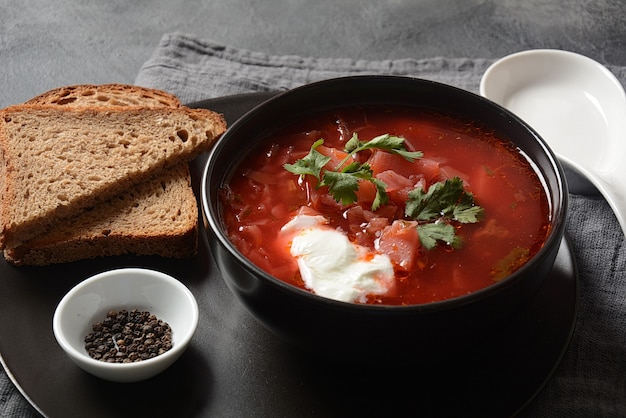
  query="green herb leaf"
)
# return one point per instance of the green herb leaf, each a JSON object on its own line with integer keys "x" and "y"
{"x": 385, "y": 142}
{"x": 342, "y": 186}
{"x": 409, "y": 155}
{"x": 381, "y": 197}
{"x": 394, "y": 145}
{"x": 311, "y": 164}
{"x": 431, "y": 233}
{"x": 467, "y": 215}
{"x": 352, "y": 144}
{"x": 442, "y": 203}
{"x": 443, "y": 199}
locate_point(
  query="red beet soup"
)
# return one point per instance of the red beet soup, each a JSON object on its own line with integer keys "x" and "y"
{"x": 427, "y": 206}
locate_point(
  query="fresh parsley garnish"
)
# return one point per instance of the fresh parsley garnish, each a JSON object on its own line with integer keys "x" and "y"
{"x": 443, "y": 199}
{"x": 443, "y": 203}
{"x": 311, "y": 164}
{"x": 431, "y": 233}
{"x": 435, "y": 210}
{"x": 343, "y": 182}
{"x": 385, "y": 142}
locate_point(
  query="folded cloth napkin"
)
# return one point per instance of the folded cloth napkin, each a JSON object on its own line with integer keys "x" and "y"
{"x": 591, "y": 379}
{"x": 196, "y": 69}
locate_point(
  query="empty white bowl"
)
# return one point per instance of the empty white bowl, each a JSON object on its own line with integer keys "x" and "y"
{"x": 131, "y": 288}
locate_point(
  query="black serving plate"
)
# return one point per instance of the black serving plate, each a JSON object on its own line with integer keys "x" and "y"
{"x": 235, "y": 368}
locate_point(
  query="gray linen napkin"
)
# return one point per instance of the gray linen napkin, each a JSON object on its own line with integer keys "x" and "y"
{"x": 196, "y": 69}
{"x": 591, "y": 379}
{"x": 12, "y": 403}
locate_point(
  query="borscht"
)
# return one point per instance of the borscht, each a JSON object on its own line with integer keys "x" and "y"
{"x": 386, "y": 205}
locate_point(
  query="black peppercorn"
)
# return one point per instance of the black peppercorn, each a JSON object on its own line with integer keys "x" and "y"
{"x": 128, "y": 336}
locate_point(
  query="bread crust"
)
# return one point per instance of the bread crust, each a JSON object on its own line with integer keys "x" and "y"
{"x": 167, "y": 246}
{"x": 105, "y": 95}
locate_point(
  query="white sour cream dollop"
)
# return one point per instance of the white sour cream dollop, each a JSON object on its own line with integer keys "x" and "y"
{"x": 332, "y": 266}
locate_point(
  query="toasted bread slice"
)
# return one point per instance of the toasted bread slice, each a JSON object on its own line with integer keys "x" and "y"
{"x": 127, "y": 223}
{"x": 59, "y": 161}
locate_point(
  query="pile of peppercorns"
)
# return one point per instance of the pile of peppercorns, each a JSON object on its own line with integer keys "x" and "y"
{"x": 128, "y": 336}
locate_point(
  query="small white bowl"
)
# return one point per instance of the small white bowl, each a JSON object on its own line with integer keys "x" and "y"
{"x": 130, "y": 288}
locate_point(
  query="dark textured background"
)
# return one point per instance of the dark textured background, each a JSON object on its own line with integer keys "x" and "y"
{"x": 46, "y": 44}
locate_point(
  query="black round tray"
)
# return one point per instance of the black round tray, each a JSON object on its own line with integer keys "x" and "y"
{"x": 234, "y": 367}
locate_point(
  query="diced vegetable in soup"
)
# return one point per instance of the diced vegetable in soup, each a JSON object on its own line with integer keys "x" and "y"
{"x": 393, "y": 206}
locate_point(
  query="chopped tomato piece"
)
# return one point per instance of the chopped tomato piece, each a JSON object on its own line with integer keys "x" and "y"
{"x": 355, "y": 215}
{"x": 401, "y": 243}
{"x": 383, "y": 161}
{"x": 394, "y": 181}
{"x": 375, "y": 225}
{"x": 448, "y": 172}
{"x": 430, "y": 168}
{"x": 483, "y": 183}
{"x": 366, "y": 192}
{"x": 398, "y": 185}
{"x": 336, "y": 156}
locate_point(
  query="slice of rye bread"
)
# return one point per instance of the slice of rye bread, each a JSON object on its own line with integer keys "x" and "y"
{"x": 59, "y": 161}
{"x": 127, "y": 223}
{"x": 156, "y": 217}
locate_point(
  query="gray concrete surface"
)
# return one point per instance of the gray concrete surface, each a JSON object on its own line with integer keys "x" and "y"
{"x": 46, "y": 44}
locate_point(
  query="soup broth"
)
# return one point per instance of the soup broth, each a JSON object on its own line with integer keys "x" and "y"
{"x": 262, "y": 197}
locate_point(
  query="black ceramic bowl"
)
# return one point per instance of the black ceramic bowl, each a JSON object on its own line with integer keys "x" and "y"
{"x": 330, "y": 327}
